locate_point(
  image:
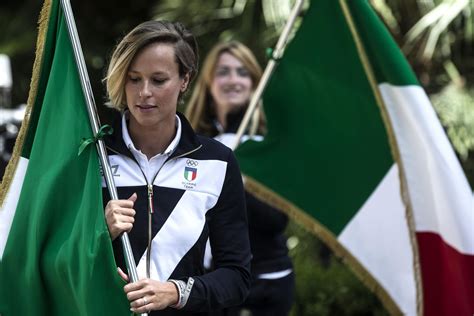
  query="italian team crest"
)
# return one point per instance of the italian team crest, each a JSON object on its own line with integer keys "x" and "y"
{"x": 190, "y": 173}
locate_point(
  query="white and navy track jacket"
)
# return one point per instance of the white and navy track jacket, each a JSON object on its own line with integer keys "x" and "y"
{"x": 198, "y": 193}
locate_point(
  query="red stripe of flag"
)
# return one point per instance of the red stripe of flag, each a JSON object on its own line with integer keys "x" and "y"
{"x": 448, "y": 277}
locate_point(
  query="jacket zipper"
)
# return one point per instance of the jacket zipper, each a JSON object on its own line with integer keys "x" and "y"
{"x": 150, "y": 202}
{"x": 150, "y": 210}
{"x": 150, "y": 214}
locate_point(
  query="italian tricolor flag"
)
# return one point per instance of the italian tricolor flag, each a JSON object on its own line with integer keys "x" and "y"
{"x": 364, "y": 163}
{"x": 56, "y": 256}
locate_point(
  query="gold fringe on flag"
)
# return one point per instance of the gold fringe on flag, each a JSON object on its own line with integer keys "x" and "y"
{"x": 313, "y": 226}
{"x": 395, "y": 152}
{"x": 17, "y": 150}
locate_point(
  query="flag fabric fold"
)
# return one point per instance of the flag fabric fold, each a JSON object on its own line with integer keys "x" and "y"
{"x": 359, "y": 157}
{"x": 56, "y": 256}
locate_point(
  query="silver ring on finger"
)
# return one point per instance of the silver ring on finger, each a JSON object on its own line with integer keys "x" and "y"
{"x": 145, "y": 302}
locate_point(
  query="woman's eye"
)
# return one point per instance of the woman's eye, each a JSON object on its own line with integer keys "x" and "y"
{"x": 134, "y": 79}
{"x": 222, "y": 72}
{"x": 159, "y": 81}
{"x": 243, "y": 72}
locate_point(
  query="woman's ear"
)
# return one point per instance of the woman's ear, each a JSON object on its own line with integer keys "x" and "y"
{"x": 185, "y": 83}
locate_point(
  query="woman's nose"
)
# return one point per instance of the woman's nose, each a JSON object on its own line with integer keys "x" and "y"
{"x": 234, "y": 76}
{"x": 144, "y": 91}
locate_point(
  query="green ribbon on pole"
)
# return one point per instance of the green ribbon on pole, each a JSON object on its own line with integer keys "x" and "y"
{"x": 104, "y": 130}
{"x": 269, "y": 53}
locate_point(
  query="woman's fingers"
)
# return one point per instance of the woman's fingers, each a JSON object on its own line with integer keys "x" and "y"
{"x": 136, "y": 289}
{"x": 139, "y": 302}
{"x": 120, "y": 215}
{"x": 145, "y": 307}
{"x": 119, "y": 204}
{"x": 124, "y": 212}
{"x": 122, "y": 274}
{"x": 121, "y": 222}
{"x": 137, "y": 294}
{"x": 132, "y": 197}
{"x": 146, "y": 295}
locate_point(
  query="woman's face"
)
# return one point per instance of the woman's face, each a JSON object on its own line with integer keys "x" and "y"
{"x": 231, "y": 85}
{"x": 153, "y": 85}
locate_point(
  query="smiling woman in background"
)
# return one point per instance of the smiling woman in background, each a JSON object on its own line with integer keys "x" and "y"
{"x": 176, "y": 189}
{"x": 222, "y": 93}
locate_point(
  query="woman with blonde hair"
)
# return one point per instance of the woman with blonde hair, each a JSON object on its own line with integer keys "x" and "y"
{"x": 229, "y": 77}
{"x": 176, "y": 189}
{"x": 209, "y": 106}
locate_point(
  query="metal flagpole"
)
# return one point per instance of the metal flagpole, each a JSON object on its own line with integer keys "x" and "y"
{"x": 95, "y": 124}
{"x": 277, "y": 54}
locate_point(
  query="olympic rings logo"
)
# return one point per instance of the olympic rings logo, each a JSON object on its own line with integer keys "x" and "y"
{"x": 191, "y": 163}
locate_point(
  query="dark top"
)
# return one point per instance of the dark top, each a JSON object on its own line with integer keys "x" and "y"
{"x": 266, "y": 223}
{"x": 197, "y": 194}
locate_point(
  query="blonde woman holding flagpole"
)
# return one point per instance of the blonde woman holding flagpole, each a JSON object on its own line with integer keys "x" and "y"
{"x": 176, "y": 189}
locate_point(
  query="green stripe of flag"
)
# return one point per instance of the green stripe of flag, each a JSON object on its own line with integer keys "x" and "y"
{"x": 58, "y": 259}
{"x": 389, "y": 64}
{"x": 327, "y": 155}
{"x": 326, "y": 142}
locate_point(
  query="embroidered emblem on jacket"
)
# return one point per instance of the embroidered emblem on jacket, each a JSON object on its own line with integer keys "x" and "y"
{"x": 190, "y": 173}
{"x": 113, "y": 168}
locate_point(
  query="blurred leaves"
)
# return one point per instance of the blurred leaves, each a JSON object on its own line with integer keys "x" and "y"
{"x": 324, "y": 285}
{"x": 434, "y": 27}
{"x": 455, "y": 107}
{"x": 15, "y": 28}
{"x": 382, "y": 7}
{"x": 18, "y": 40}
{"x": 256, "y": 23}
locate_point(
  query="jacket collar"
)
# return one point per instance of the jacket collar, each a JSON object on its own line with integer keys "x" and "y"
{"x": 188, "y": 142}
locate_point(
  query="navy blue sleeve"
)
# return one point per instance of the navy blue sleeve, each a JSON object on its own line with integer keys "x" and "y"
{"x": 263, "y": 217}
{"x": 228, "y": 284}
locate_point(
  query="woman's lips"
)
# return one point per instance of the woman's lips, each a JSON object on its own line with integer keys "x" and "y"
{"x": 146, "y": 107}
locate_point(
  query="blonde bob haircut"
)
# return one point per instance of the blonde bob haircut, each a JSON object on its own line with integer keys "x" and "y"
{"x": 200, "y": 109}
{"x": 147, "y": 33}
